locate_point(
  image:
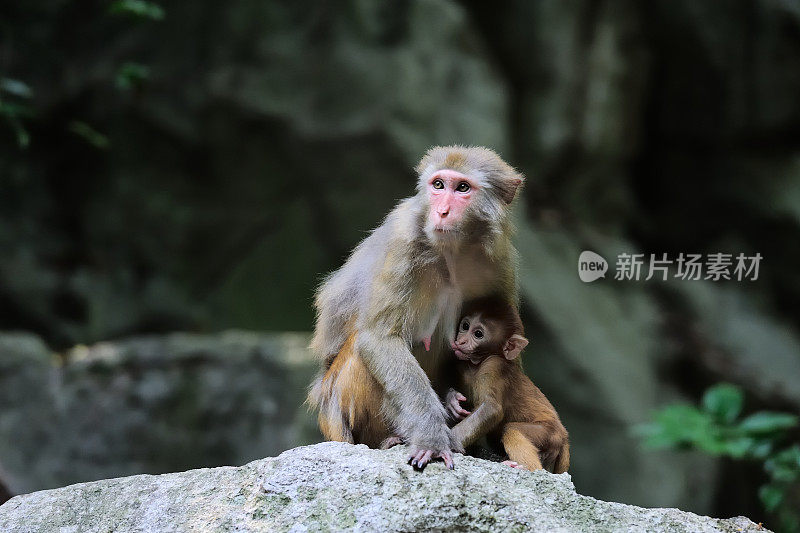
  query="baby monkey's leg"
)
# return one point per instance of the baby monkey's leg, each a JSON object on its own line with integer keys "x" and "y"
{"x": 388, "y": 442}
{"x": 518, "y": 441}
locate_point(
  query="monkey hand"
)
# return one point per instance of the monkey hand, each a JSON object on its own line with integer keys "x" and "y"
{"x": 419, "y": 458}
{"x": 427, "y": 446}
{"x": 452, "y": 404}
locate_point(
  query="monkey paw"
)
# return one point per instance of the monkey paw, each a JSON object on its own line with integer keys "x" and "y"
{"x": 419, "y": 458}
{"x": 512, "y": 464}
{"x": 453, "y": 405}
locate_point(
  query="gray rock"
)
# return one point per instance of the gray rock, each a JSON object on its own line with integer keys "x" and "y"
{"x": 150, "y": 404}
{"x": 336, "y": 486}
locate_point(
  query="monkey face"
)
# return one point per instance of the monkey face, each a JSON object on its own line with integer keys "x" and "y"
{"x": 480, "y": 336}
{"x": 477, "y": 338}
{"x": 466, "y": 192}
{"x": 450, "y": 193}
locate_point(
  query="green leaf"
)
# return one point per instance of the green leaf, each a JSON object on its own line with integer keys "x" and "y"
{"x": 771, "y": 496}
{"x": 132, "y": 76}
{"x": 681, "y": 425}
{"x": 89, "y": 134}
{"x": 784, "y": 466}
{"x": 738, "y": 448}
{"x": 724, "y": 401}
{"x": 15, "y": 87}
{"x": 767, "y": 422}
{"x": 790, "y": 456}
{"x": 23, "y": 137}
{"x": 137, "y": 8}
{"x": 761, "y": 449}
{"x": 11, "y": 109}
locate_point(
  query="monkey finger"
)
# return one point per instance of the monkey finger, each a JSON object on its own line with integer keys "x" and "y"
{"x": 425, "y": 458}
{"x": 463, "y": 412}
{"x": 448, "y": 460}
{"x": 460, "y": 397}
{"x": 417, "y": 457}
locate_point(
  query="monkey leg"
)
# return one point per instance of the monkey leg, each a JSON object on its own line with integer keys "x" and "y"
{"x": 537, "y": 445}
{"x": 390, "y": 441}
{"x": 349, "y": 400}
{"x": 519, "y": 447}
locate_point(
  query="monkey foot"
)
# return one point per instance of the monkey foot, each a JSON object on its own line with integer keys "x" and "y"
{"x": 388, "y": 442}
{"x": 420, "y": 458}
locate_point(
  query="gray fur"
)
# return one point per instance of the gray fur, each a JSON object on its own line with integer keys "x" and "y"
{"x": 401, "y": 284}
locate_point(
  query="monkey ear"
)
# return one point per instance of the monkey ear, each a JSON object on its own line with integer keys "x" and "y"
{"x": 513, "y": 346}
{"x": 508, "y": 189}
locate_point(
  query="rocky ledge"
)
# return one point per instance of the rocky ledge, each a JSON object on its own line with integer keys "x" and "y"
{"x": 336, "y": 486}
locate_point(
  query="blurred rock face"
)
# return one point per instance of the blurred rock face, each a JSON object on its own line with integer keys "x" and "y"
{"x": 270, "y": 138}
{"x": 149, "y": 404}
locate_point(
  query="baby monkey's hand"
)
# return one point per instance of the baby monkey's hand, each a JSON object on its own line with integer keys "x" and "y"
{"x": 453, "y": 405}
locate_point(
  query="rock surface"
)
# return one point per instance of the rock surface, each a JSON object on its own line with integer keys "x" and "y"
{"x": 336, "y": 486}
{"x": 149, "y": 404}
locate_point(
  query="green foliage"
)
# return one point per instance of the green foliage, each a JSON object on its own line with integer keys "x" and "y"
{"x": 14, "y": 108}
{"x": 16, "y": 94}
{"x": 723, "y": 401}
{"x": 132, "y": 76}
{"x": 16, "y": 88}
{"x": 137, "y": 8}
{"x": 715, "y": 428}
{"x": 89, "y": 134}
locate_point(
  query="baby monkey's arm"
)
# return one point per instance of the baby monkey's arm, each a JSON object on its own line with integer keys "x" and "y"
{"x": 488, "y": 387}
{"x": 484, "y": 419}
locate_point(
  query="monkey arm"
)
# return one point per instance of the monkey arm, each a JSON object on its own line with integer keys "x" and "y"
{"x": 484, "y": 419}
{"x": 413, "y": 407}
{"x": 488, "y": 390}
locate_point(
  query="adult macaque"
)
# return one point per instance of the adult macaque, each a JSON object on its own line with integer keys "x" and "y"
{"x": 509, "y": 407}
{"x": 386, "y": 317}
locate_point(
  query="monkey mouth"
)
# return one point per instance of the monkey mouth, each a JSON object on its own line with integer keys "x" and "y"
{"x": 461, "y": 355}
{"x": 444, "y": 229}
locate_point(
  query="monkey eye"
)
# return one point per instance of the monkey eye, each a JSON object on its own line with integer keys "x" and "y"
{"x": 438, "y": 184}
{"x": 478, "y": 334}
{"x": 465, "y": 325}
{"x": 463, "y": 187}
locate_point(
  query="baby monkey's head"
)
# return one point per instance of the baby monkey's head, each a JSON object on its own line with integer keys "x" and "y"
{"x": 489, "y": 326}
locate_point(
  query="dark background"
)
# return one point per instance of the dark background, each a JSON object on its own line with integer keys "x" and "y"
{"x": 201, "y": 170}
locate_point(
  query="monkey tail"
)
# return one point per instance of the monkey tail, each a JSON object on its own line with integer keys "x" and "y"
{"x": 331, "y": 419}
{"x": 561, "y": 464}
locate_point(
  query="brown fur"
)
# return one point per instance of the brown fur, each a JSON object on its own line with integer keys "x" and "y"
{"x": 455, "y": 161}
{"x": 357, "y": 417}
{"x": 508, "y": 406}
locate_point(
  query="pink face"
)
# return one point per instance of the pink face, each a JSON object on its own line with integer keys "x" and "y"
{"x": 450, "y": 193}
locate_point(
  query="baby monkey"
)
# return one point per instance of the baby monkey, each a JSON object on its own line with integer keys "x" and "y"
{"x": 509, "y": 408}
